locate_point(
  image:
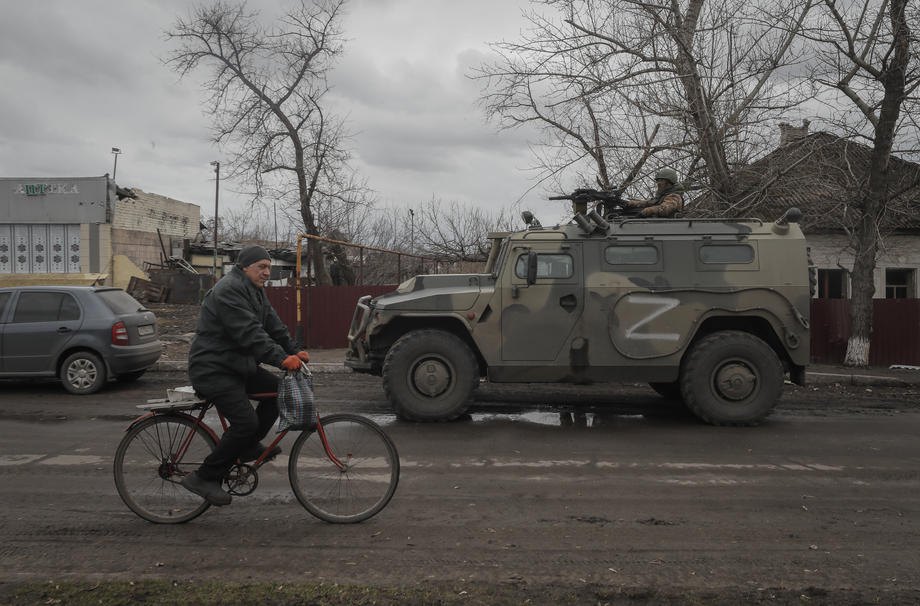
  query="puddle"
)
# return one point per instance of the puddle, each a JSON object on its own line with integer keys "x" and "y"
{"x": 556, "y": 419}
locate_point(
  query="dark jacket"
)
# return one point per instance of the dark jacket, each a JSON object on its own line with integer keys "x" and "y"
{"x": 237, "y": 329}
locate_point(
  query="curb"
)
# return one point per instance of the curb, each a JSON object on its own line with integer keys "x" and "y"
{"x": 811, "y": 378}
{"x": 320, "y": 367}
{"x": 818, "y": 378}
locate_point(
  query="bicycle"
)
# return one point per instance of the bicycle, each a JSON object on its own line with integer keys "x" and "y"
{"x": 345, "y": 470}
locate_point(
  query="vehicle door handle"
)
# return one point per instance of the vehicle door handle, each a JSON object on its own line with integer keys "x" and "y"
{"x": 64, "y": 329}
{"x": 568, "y": 302}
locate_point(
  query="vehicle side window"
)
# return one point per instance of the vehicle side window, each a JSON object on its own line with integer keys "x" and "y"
{"x": 641, "y": 254}
{"x": 45, "y": 307}
{"x": 69, "y": 309}
{"x": 548, "y": 266}
{"x": 4, "y": 299}
{"x": 727, "y": 253}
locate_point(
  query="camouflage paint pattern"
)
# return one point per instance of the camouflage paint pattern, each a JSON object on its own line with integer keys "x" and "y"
{"x": 619, "y": 303}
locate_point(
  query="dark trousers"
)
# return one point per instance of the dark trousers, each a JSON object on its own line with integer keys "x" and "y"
{"x": 247, "y": 425}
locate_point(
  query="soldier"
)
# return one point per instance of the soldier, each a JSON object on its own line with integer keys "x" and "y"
{"x": 668, "y": 199}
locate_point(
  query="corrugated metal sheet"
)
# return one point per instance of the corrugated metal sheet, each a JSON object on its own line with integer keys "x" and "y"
{"x": 895, "y": 331}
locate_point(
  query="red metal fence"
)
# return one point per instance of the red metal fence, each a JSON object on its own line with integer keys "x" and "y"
{"x": 895, "y": 331}
{"x": 327, "y": 313}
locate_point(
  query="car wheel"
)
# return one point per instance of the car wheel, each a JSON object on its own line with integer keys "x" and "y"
{"x": 130, "y": 377}
{"x": 83, "y": 373}
{"x": 731, "y": 378}
{"x": 430, "y": 375}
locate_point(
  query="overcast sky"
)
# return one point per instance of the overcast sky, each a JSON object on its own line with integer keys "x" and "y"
{"x": 82, "y": 77}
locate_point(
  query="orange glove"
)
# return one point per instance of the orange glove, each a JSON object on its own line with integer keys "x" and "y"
{"x": 303, "y": 356}
{"x": 291, "y": 363}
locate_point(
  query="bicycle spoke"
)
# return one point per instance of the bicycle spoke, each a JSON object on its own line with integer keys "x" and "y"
{"x": 151, "y": 461}
{"x": 359, "y": 490}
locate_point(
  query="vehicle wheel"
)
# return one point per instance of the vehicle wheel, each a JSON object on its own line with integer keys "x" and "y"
{"x": 130, "y": 377}
{"x": 83, "y": 373}
{"x": 151, "y": 461}
{"x": 430, "y": 375}
{"x": 668, "y": 391}
{"x": 731, "y": 378}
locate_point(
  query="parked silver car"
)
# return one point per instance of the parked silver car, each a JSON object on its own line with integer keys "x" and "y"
{"x": 83, "y": 335}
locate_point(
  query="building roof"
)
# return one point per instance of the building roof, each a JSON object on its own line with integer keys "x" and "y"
{"x": 820, "y": 174}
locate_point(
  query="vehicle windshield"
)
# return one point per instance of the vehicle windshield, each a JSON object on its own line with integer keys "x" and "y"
{"x": 120, "y": 302}
{"x": 496, "y": 253}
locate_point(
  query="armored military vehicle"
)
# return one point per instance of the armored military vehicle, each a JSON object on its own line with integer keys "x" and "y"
{"x": 710, "y": 312}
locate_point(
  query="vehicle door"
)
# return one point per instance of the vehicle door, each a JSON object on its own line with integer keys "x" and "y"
{"x": 5, "y": 298}
{"x": 39, "y": 328}
{"x": 537, "y": 319}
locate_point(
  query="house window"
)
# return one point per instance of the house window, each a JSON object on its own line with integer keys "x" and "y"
{"x": 832, "y": 284}
{"x": 899, "y": 283}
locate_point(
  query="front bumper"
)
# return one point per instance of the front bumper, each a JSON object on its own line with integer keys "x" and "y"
{"x": 357, "y": 357}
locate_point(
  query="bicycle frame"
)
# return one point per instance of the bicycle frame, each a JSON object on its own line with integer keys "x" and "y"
{"x": 198, "y": 420}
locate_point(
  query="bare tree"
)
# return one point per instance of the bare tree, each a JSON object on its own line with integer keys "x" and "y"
{"x": 267, "y": 86}
{"x": 868, "y": 53}
{"x": 617, "y": 82}
{"x": 455, "y": 232}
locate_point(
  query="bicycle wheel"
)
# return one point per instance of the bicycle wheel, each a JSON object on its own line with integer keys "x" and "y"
{"x": 364, "y": 483}
{"x": 152, "y": 459}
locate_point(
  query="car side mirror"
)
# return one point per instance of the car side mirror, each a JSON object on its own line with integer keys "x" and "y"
{"x": 531, "y": 268}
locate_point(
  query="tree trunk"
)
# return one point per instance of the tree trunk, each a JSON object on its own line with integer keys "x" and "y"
{"x": 699, "y": 107}
{"x": 876, "y": 193}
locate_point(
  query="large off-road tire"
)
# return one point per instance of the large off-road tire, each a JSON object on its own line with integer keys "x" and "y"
{"x": 430, "y": 375}
{"x": 731, "y": 378}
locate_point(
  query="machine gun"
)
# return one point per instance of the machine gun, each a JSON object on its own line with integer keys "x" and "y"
{"x": 609, "y": 204}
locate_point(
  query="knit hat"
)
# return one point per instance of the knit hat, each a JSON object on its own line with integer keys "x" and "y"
{"x": 251, "y": 254}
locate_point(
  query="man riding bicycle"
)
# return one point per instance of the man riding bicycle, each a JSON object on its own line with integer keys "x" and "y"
{"x": 237, "y": 330}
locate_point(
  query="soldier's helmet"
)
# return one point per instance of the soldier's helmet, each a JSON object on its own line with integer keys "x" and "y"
{"x": 667, "y": 174}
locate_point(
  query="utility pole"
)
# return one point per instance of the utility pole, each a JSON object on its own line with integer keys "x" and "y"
{"x": 216, "y": 166}
{"x": 115, "y": 152}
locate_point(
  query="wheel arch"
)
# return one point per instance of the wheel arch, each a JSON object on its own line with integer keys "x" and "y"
{"x": 391, "y": 332}
{"x": 759, "y": 326}
{"x": 72, "y": 349}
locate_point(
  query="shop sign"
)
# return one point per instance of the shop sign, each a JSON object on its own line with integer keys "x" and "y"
{"x": 41, "y": 189}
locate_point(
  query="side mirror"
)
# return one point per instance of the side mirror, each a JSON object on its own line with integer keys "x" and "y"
{"x": 531, "y": 268}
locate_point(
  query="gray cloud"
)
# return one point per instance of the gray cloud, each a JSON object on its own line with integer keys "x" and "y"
{"x": 82, "y": 77}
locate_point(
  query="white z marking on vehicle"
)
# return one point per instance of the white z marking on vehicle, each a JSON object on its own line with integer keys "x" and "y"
{"x": 663, "y": 304}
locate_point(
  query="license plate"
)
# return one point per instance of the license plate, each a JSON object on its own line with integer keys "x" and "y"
{"x": 145, "y": 330}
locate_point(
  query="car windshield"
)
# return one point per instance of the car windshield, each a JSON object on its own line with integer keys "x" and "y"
{"x": 120, "y": 302}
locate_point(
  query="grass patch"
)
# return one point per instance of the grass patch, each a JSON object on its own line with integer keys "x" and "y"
{"x": 208, "y": 593}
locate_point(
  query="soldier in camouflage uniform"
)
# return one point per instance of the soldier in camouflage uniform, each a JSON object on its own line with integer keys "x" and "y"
{"x": 668, "y": 200}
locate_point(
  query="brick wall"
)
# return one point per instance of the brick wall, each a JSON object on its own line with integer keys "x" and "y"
{"x": 149, "y": 212}
{"x": 135, "y": 222}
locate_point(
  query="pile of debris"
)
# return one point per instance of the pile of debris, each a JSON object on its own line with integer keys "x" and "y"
{"x": 174, "y": 282}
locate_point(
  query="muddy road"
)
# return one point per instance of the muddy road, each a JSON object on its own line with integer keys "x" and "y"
{"x": 538, "y": 490}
